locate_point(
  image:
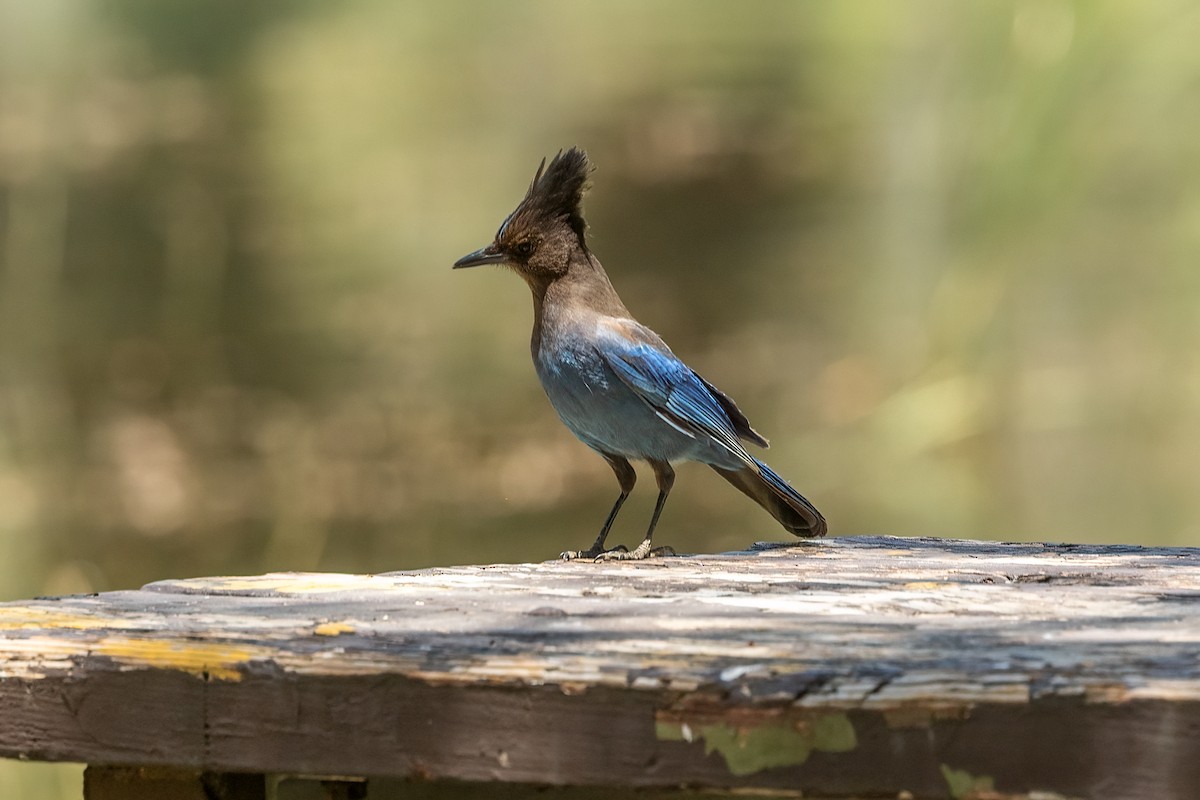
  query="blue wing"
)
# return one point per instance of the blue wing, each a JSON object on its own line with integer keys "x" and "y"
{"x": 679, "y": 396}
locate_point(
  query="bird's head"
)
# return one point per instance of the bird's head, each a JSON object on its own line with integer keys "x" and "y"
{"x": 540, "y": 238}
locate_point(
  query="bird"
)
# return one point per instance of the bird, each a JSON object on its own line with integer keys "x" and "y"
{"x": 614, "y": 382}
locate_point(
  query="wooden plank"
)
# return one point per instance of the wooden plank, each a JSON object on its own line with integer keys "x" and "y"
{"x": 861, "y": 665}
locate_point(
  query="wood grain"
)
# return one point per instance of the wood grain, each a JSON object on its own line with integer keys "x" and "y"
{"x": 859, "y": 666}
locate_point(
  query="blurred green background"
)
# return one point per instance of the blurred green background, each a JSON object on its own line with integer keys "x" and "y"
{"x": 943, "y": 254}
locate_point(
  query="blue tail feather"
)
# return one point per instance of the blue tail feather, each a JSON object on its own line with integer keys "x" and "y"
{"x": 792, "y": 509}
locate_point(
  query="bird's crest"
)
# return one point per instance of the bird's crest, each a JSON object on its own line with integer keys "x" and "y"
{"x": 557, "y": 192}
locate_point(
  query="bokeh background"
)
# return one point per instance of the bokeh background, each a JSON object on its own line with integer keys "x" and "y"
{"x": 943, "y": 254}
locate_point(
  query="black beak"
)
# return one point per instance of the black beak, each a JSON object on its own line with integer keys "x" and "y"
{"x": 484, "y": 255}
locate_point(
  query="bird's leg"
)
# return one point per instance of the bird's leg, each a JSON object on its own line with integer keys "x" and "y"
{"x": 626, "y": 477}
{"x": 665, "y": 477}
{"x": 597, "y": 547}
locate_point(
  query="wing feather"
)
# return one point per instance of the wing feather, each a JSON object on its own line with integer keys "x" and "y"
{"x": 679, "y": 396}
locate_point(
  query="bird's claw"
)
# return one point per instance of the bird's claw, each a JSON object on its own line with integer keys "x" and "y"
{"x": 642, "y": 551}
{"x": 593, "y": 553}
{"x": 597, "y": 553}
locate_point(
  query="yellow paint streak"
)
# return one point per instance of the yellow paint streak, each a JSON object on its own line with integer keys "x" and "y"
{"x": 291, "y": 583}
{"x": 17, "y": 618}
{"x": 332, "y": 629}
{"x": 919, "y": 586}
{"x": 215, "y": 659}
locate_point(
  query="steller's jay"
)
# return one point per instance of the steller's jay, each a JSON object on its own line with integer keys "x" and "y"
{"x": 612, "y": 380}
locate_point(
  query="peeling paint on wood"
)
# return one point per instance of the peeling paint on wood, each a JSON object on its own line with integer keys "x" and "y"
{"x": 332, "y": 629}
{"x": 963, "y": 784}
{"x": 862, "y": 665}
{"x": 751, "y": 745}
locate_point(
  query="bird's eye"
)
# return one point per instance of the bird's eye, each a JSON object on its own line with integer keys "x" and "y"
{"x": 525, "y": 249}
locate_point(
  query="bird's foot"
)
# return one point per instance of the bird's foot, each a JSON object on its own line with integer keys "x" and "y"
{"x": 593, "y": 553}
{"x": 643, "y": 550}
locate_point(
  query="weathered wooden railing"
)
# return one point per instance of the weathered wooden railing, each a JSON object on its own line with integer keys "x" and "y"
{"x": 861, "y": 666}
